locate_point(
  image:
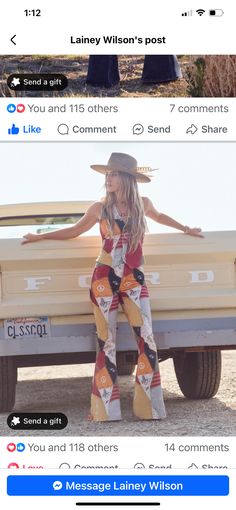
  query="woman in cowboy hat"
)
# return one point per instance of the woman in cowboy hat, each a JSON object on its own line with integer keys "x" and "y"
{"x": 103, "y": 70}
{"x": 118, "y": 278}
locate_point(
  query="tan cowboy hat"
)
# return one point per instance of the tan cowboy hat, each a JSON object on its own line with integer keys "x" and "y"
{"x": 121, "y": 162}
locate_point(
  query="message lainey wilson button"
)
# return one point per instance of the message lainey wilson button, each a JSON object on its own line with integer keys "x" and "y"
{"x": 37, "y": 421}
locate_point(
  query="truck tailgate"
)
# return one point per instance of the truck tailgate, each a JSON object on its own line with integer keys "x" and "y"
{"x": 182, "y": 273}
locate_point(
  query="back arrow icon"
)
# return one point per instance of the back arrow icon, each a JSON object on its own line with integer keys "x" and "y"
{"x": 13, "y": 37}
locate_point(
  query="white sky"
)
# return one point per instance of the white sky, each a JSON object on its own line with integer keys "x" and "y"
{"x": 195, "y": 183}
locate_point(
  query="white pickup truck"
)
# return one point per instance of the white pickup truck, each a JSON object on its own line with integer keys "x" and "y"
{"x": 46, "y": 316}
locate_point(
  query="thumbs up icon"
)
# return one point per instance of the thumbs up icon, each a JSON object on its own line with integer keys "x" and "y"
{"x": 13, "y": 130}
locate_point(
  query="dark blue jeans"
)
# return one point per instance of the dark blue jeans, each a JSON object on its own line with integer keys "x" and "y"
{"x": 103, "y": 70}
{"x": 160, "y": 69}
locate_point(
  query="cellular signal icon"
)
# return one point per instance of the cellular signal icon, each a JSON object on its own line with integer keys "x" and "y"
{"x": 187, "y": 13}
{"x": 200, "y": 12}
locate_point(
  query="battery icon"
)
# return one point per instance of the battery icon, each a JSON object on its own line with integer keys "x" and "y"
{"x": 216, "y": 12}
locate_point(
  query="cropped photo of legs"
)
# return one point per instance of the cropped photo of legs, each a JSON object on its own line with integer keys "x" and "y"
{"x": 103, "y": 70}
{"x": 123, "y": 75}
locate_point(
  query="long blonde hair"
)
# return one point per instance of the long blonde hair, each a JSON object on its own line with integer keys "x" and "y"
{"x": 129, "y": 194}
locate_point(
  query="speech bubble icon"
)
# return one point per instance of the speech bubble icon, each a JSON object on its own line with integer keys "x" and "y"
{"x": 63, "y": 129}
{"x": 138, "y": 129}
{"x": 64, "y": 465}
{"x": 139, "y": 465}
{"x": 57, "y": 485}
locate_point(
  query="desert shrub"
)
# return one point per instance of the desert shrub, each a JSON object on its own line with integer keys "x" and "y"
{"x": 195, "y": 77}
{"x": 212, "y": 76}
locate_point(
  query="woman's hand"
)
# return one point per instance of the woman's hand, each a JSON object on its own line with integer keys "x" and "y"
{"x": 90, "y": 218}
{"x": 30, "y": 238}
{"x": 163, "y": 219}
{"x": 197, "y": 232}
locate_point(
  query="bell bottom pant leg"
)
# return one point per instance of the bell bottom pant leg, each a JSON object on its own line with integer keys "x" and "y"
{"x": 148, "y": 397}
{"x": 103, "y": 70}
{"x": 105, "y": 398}
{"x": 160, "y": 69}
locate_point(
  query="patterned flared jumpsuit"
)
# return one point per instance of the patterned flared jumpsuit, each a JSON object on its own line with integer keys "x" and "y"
{"x": 118, "y": 278}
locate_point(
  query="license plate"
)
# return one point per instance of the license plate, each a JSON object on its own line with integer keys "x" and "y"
{"x": 38, "y": 327}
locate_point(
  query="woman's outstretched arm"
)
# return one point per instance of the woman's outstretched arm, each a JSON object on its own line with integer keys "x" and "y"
{"x": 162, "y": 218}
{"x": 89, "y": 219}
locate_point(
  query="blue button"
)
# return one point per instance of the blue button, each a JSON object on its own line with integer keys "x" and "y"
{"x": 11, "y": 108}
{"x": 119, "y": 485}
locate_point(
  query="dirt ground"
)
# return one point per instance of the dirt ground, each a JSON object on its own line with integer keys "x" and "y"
{"x": 66, "y": 389}
{"x": 74, "y": 67}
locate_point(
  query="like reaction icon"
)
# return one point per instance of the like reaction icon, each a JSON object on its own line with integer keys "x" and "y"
{"x": 11, "y": 108}
{"x": 20, "y": 447}
{"x": 13, "y": 130}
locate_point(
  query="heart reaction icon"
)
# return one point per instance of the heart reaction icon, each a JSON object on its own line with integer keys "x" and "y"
{"x": 20, "y": 108}
{"x": 11, "y": 447}
{"x": 13, "y": 465}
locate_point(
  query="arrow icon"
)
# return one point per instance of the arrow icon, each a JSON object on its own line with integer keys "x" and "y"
{"x": 192, "y": 129}
{"x": 12, "y": 39}
{"x": 193, "y": 466}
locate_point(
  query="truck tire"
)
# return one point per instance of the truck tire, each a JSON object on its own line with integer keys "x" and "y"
{"x": 198, "y": 373}
{"x": 125, "y": 363}
{"x": 8, "y": 378}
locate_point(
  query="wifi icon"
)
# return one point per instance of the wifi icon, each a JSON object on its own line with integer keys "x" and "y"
{"x": 200, "y": 12}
